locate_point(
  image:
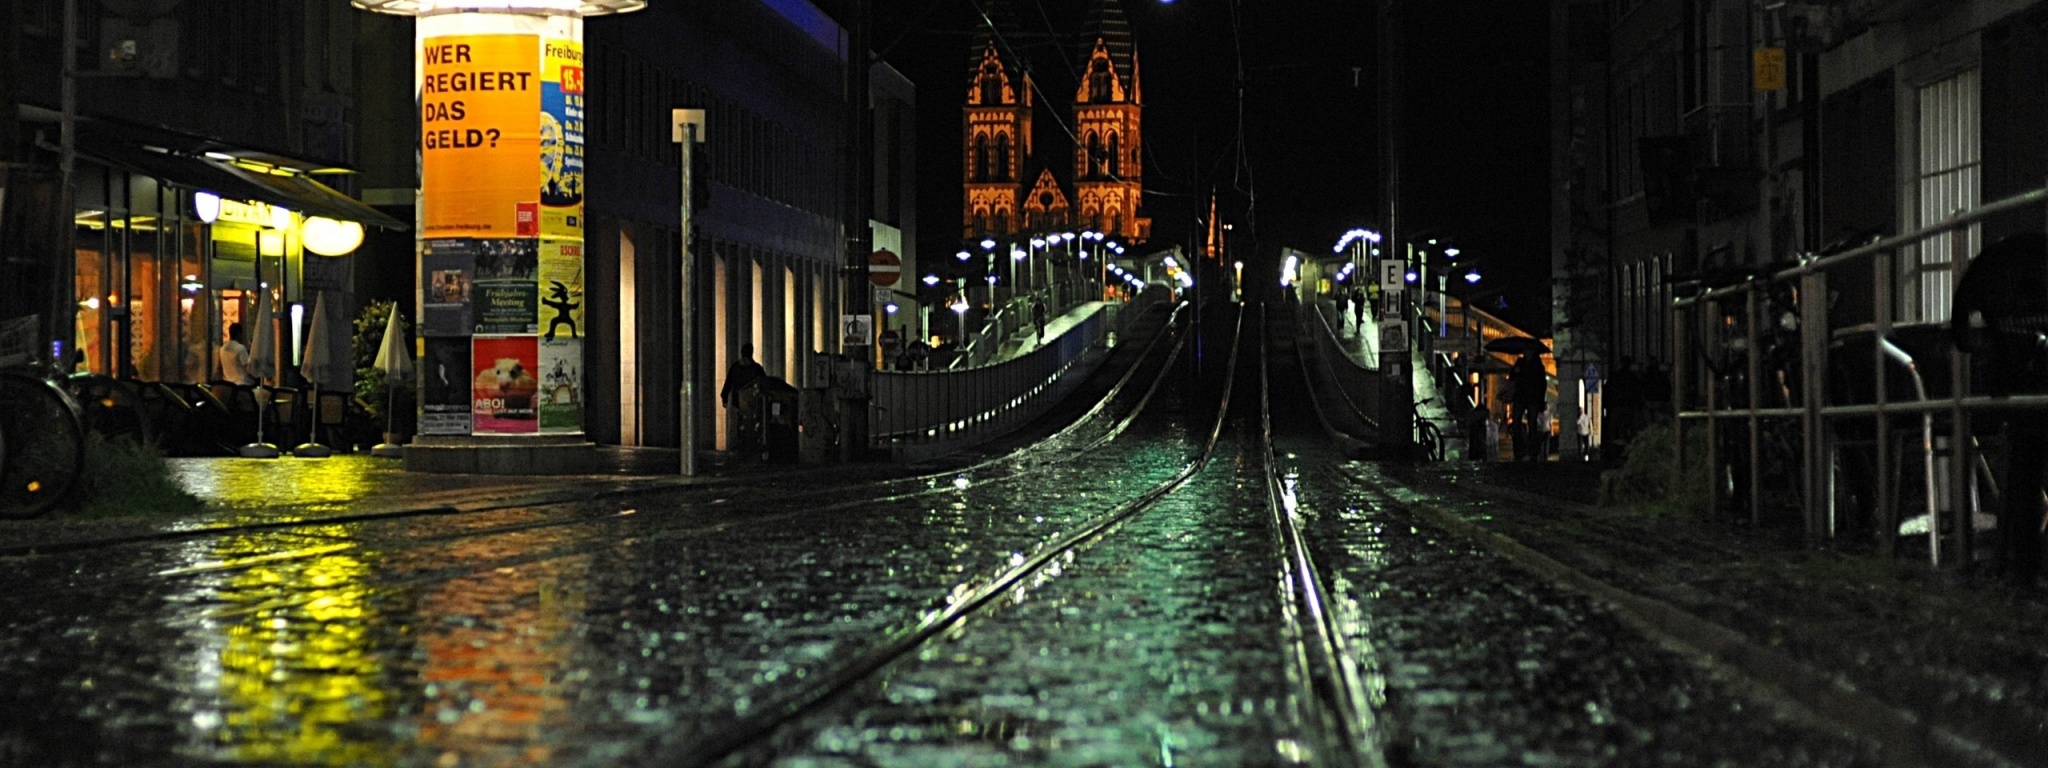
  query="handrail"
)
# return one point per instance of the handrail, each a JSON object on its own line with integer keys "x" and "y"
{"x": 1727, "y": 409}
{"x": 1810, "y": 264}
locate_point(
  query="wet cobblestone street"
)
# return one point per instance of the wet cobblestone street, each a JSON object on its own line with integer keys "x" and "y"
{"x": 1103, "y": 597}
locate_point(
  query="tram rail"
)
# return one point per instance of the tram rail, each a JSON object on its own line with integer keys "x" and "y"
{"x": 558, "y": 510}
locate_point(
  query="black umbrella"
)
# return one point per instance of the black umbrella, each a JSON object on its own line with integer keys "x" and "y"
{"x": 1517, "y": 345}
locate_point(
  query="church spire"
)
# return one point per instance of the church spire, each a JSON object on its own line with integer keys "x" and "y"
{"x": 1108, "y": 27}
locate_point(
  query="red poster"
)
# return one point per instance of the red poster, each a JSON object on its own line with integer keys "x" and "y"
{"x": 502, "y": 392}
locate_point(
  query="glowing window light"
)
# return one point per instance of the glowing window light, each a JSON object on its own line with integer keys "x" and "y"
{"x": 331, "y": 237}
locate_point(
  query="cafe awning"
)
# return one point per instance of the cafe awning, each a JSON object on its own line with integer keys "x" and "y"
{"x": 199, "y": 163}
{"x": 298, "y": 192}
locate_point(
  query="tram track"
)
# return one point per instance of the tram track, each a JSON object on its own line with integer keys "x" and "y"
{"x": 565, "y": 509}
{"x": 1322, "y": 657}
{"x": 1332, "y": 705}
{"x": 754, "y": 729}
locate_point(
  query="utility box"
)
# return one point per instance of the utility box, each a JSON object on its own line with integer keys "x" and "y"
{"x": 779, "y": 420}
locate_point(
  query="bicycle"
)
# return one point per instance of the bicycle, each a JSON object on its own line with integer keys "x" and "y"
{"x": 43, "y": 433}
{"x": 1430, "y": 439}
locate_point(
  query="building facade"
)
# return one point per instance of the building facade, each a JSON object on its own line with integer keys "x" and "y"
{"x": 768, "y": 238}
{"x": 1697, "y": 142}
{"x": 285, "y": 112}
{"x": 195, "y": 162}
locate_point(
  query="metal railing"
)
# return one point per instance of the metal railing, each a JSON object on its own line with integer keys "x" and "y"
{"x": 916, "y": 412}
{"x": 1358, "y": 384}
{"x": 1790, "y": 404}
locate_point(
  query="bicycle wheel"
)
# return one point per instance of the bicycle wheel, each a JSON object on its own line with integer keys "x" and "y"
{"x": 46, "y": 446}
{"x": 1430, "y": 439}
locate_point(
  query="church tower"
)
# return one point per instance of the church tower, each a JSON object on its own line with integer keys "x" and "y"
{"x": 1108, "y": 171}
{"x": 996, "y": 136}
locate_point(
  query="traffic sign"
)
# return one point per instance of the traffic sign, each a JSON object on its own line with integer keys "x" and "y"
{"x": 1393, "y": 276}
{"x": 884, "y": 268}
{"x": 1394, "y": 335}
{"x": 856, "y": 330}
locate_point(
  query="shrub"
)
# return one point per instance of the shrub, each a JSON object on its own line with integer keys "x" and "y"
{"x": 1650, "y": 478}
{"x": 370, "y": 391}
{"x": 124, "y": 477}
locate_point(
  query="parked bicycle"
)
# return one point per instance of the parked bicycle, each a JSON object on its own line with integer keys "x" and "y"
{"x": 42, "y": 444}
{"x": 1429, "y": 438}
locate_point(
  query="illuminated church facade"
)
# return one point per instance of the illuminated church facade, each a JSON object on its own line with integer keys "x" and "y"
{"x": 1016, "y": 183}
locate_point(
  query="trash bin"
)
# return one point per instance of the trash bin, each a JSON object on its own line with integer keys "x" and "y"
{"x": 779, "y": 420}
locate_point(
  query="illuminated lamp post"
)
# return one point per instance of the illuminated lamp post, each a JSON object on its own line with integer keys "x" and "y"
{"x": 500, "y": 88}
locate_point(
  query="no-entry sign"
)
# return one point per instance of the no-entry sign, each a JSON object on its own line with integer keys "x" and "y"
{"x": 884, "y": 268}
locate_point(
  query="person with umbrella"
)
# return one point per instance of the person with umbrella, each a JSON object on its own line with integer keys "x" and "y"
{"x": 1531, "y": 384}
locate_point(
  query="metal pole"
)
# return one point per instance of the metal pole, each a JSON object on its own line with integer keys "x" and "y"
{"x": 859, "y": 168}
{"x": 63, "y": 310}
{"x": 687, "y": 129}
{"x": 1397, "y": 396}
{"x": 1754, "y": 374}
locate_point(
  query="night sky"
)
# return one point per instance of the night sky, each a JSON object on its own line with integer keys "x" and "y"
{"x": 1297, "y": 159}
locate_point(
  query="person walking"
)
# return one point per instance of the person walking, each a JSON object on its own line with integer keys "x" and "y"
{"x": 233, "y": 356}
{"x": 1038, "y": 317}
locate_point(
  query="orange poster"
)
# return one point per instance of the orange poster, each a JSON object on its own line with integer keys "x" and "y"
{"x": 480, "y": 134}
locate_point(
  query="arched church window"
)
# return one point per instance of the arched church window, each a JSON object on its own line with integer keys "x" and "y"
{"x": 1116, "y": 158}
{"x": 981, "y": 158}
{"x": 1094, "y": 156}
{"x": 1002, "y": 168}
{"x": 1099, "y": 82}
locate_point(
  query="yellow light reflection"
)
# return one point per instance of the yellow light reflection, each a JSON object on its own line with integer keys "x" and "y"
{"x": 297, "y": 671}
{"x": 256, "y": 484}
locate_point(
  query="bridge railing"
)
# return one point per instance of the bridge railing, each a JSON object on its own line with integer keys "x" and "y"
{"x": 1358, "y": 385}
{"x": 927, "y": 412}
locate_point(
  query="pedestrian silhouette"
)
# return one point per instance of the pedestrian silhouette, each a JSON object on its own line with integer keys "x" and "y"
{"x": 1530, "y": 382}
{"x": 742, "y": 375}
{"x": 742, "y": 397}
{"x": 2006, "y": 287}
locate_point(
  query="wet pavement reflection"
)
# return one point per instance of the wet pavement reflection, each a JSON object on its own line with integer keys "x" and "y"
{"x": 632, "y": 630}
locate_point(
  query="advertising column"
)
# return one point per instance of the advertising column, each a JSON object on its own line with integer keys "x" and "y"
{"x": 501, "y": 243}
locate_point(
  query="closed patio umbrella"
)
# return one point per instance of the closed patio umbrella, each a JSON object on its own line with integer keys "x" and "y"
{"x": 262, "y": 365}
{"x": 396, "y": 365}
{"x": 317, "y": 364}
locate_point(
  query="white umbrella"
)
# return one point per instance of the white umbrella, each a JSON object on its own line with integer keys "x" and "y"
{"x": 262, "y": 365}
{"x": 318, "y": 366}
{"x": 396, "y": 364}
